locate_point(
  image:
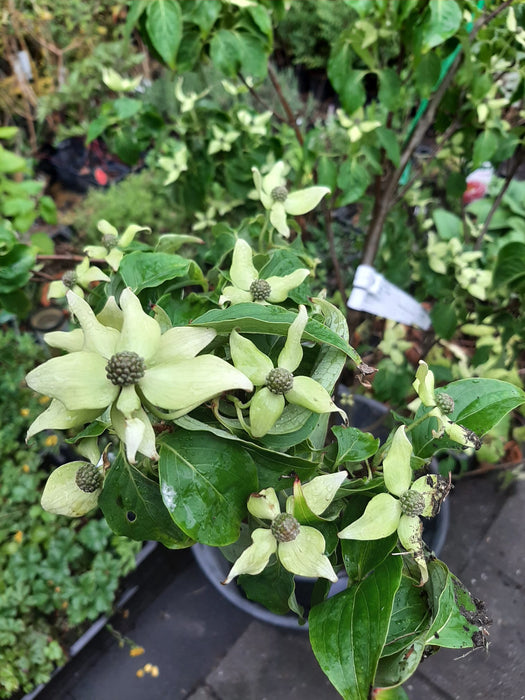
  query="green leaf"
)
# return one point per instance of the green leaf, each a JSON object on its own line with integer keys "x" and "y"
{"x": 133, "y": 507}
{"x": 7, "y": 132}
{"x": 448, "y": 225}
{"x": 140, "y": 270}
{"x": 444, "y": 319}
{"x": 390, "y": 89}
{"x": 274, "y": 465}
{"x": 205, "y": 483}
{"x": 94, "y": 429}
{"x": 479, "y": 404}
{"x": 347, "y": 632}
{"x": 444, "y": 20}
{"x": 353, "y": 445}
{"x": 348, "y": 83}
{"x": 509, "y": 270}
{"x": 226, "y": 52}
{"x": 164, "y": 27}
{"x": 274, "y": 320}
{"x": 15, "y": 268}
{"x": 271, "y": 588}
{"x": 388, "y": 139}
{"x": 47, "y": 210}
{"x": 485, "y": 147}
{"x": 427, "y": 73}
{"x": 10, "y": 162}
{"x": 353, "y": 180}
{"x": 97, "y": 127}
{"x": 410, "y": 617}
{"x": 204, "y": 13}
{"x": 449, "y": 627}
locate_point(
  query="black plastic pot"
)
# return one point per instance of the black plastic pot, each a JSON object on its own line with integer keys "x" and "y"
{"x": 365, "y": 414}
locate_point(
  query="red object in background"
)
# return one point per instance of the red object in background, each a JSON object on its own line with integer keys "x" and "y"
{"x": 101, "y": 177}
{"x": 475, "y": 190}
{"x": 478, "y": 183}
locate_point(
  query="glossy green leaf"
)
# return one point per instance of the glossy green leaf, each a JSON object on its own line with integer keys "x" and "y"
{"x": 133, "y": 507}
{"x": 164, "y": 27}
{"x": 390, "y": 694}
{"x": 94, "y": 429}
{"x": 273, "y": 465}
{"x": 256, "y": 318}
{"x": 347, "y": 632}
{"x": 444, "y": 20}
{"x": 205, "y": 483}
{"x": 353, "y": 445}
{"x": 203, "y": 13}
{"x": 479, "y": 404}
{"x": 140, "y": 270}
{"x": 410, "y": 617}
{"x": 449, "y": 628}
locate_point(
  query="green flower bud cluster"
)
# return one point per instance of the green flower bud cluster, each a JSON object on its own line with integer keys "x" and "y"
{"x": 260, "y": 290}
{"x": 279, "y": 380}
{"x": 445, "y": 403}
{"x": 279, "y": 194}
{"x": 109, "y": 241}
{"x": 125, "y": 368}
{"x": 88, "y": 478}
{"x": 69, "y": 279}
{"x": 412, "y": 502}
{"x": 285, "y": 527}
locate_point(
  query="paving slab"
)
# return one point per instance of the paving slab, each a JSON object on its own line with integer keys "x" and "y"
{"x": 491, "y": 575}
{"x": 185, "y": 632}
{"x": 269, "y": 663}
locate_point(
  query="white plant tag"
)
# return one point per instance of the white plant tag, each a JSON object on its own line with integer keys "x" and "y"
{"x": 376, "y": 295}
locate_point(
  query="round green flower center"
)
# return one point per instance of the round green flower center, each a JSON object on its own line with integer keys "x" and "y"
{"x": 285, "y": 527}
{"x": 279, "y": 194}
{"x": 260, "y": 290}
{"x": 445, "y": 403}
{"x": 109, "y": 241}
{"x": 412, "y": 502}
{"x": 279, "y": 380}
{"x": 69, "y": 279}
{"x": 88, "y": 478}
{"x": 125, "y": 368}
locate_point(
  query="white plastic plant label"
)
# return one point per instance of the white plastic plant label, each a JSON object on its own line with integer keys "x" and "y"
{"x": 376, "y": 295}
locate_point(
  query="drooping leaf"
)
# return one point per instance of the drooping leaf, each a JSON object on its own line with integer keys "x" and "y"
{"x": 256, "y": 318}
{"x": 347, "y": 632}
{"x": 485, "y": 146}
{"x": 164, "y": 27}
{"x": 133, "y": 507}
{"x": 205, "y": 483}
{"x": 226, "y": 52}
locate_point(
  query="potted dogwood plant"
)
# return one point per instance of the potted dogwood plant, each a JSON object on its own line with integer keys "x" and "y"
{"x": 200, "y": 400}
